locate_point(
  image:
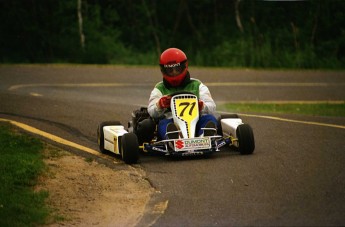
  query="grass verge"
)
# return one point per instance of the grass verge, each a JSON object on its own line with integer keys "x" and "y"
{"x": 314, "y": 109}
{"x": 21, "y": 161}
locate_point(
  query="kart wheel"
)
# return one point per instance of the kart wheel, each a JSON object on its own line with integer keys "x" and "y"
{"x": 100, "y": 133}
{"x": 129, "y": 148}
{"x": 246, "y": 144}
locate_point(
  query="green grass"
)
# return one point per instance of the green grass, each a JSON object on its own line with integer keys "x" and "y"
{"x": 21, "y": 161}
{"x": 314, "y": 109}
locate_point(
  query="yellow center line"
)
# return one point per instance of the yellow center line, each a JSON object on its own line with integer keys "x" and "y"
{"x": 35, "y": 94}
{"x": 273, "y": 84}
{"x": 19, "y": 86}
{"x": 284, "y": 102}
{"x": 290, "y": 120}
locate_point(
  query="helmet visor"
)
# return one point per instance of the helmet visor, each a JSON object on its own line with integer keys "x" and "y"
{"x": 173, "y": 69}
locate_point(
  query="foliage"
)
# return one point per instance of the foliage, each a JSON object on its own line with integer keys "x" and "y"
{"x": 289, "y": 34}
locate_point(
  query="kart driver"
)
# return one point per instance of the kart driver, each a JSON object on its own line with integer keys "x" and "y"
{"x": 174, "y": 67}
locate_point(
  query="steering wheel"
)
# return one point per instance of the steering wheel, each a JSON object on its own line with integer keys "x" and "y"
{"x": 181, "y": 92}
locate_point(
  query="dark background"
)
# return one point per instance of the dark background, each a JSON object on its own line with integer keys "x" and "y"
{"x": 247, "y": 33}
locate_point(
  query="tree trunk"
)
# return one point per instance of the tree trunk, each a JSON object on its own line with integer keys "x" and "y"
{"x": 177, "y": 21}
{"x": 191, "y": 23}
{"x": 237, "y": 15}
{"x": 80, "y": 22}
{"x": 315, "y": 23}
{"x": 295, "y": 36}
{"x": 153, "y": 28}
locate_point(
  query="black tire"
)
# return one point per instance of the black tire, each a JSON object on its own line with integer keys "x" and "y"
{"x": 129, "y": 148}
{"x": 245, "y": 136}
{"x": 100, "y": 133}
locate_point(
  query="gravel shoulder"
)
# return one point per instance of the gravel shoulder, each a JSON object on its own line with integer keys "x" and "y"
{"x": 83, "y": 192}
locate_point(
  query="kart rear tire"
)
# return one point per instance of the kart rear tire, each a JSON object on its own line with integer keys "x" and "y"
{"x": 100, "y": 133}
{"x": 245, "y": 136}
{"x": 129, "y": 148}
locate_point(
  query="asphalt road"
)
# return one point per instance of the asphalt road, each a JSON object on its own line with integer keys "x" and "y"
{"x": 295, "y": 177}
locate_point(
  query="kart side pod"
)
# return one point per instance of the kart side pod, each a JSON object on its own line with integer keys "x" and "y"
{"x": 241, "y": 134}
{"x": 112, "y": 137}
{"x": 229, "y": 126}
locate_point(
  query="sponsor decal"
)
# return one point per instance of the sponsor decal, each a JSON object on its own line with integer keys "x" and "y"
{"x": 158, "y": 149}
{"x": 193, "y": 153}
{"x": 172, "y": 65}
{"x": 221, "y": 144}
{"x": 179, "y": 144}
{"x": 192, "y": 144}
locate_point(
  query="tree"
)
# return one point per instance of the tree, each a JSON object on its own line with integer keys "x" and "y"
{"x": 151, "y": 15}
{"x": 237, "y": 15}
{"x": 80, "y": 23}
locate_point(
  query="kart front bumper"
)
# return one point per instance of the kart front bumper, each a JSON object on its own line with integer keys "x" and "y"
{"x": 166, "y": 147}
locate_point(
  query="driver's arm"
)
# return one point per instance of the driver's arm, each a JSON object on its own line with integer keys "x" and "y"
{"x": 153, "y": 109}
{"x": 205, "y": 96}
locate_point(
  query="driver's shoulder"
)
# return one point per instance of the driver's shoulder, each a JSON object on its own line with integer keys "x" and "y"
{"x": 159, "y": 84}
{"x": 162, "y": 88}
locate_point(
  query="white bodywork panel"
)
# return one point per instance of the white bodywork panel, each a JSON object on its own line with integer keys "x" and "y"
{"x": 229, "y": 126}
{"x": 112, "y": 136}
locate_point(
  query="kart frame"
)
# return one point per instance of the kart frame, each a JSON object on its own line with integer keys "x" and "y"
{"x": 231, "y": 131}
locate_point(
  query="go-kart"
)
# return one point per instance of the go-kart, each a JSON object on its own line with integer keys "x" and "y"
{"x": 231, "y": 131}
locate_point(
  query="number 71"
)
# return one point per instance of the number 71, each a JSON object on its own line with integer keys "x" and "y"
{"x": 186, "y": 105}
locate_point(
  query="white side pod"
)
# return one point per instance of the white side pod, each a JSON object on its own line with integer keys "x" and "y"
{"x": 112, "y": 137}
{"x": 229, "y": 126}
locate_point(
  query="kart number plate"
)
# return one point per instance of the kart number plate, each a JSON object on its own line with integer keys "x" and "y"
{"x": 192, "y": 144}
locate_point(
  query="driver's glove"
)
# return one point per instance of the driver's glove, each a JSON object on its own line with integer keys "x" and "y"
{"x": 164, "y": 102}
{"x": 201, "y": 105}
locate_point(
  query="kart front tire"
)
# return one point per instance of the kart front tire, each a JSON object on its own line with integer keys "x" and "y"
{"x": 100, "y": 133}
{"x": 129, "y": 148}
{"x": 245, "y": 136}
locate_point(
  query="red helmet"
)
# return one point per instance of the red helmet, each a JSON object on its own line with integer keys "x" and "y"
{"x": 174, "y": 66}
